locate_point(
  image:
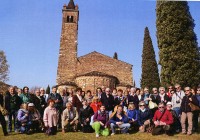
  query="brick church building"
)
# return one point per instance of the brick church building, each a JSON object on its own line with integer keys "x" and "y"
{"x": 91, "y": 70}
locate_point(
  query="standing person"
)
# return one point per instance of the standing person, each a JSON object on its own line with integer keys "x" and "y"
{"x": 162, "y": 120}
{"x": 89, "y": 97}
{"x": 26, "y": 96}
{"x": 2, "y": 119}
{"x": 177, "y": 98}
{"x": 186, "y": 111}
{"x": 140, "y": 95}
{"x": 19, "y": 91}
{"x": 170, "y": 88}
{"x": 99, "y": 92}
{"x": 63, "y": 95}
{"x": 114, "y": 93}
{"x": 162, "y": 96}
{"x": 77, "y": 99}
{"x": 101, "y": 122}
{"x": 146, "y": 96}
{"x": 50, "y": 118}
{"x": 96, "y": 104}
{"x": 133, "y": 98}
{"x": 85, "y": 115}
{"x": 58, "y": 103}
{"x": 196, "y": 112}
{"x": 119, "y": 120}
{"x": 154, "y": 97}
{"x": 12, "y": 105}
{"x": 39, "y": 103}
{"x": 45, "y": 95}
{"x": 108, "y": 100}
{"x": 71, "y": 94}
{"x": 120, "y": 99}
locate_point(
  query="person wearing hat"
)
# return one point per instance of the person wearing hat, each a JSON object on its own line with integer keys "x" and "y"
{"x": 144, "y": 117}
{"x": 175, "y": 127}
{"x": 35, "y": 118}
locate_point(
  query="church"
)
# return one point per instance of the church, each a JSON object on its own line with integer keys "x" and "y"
{"x": 91, "y": 70}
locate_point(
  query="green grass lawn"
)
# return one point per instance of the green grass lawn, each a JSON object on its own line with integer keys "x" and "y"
{"x": 91, "y": 136}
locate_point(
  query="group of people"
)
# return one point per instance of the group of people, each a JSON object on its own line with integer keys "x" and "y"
{"x": 104, "y": 112}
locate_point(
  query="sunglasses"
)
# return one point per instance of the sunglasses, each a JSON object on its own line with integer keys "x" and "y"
{"x": 142, "y": 105}
{"x": 161, "y": 107}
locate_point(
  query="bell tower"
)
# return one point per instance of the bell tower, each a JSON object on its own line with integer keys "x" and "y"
{"x": 67, "y": 62}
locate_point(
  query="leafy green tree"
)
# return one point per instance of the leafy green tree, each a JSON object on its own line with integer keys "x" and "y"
{"x": 4, "y": 67}
{"x": 48, "y": 90}
{"x": 177, "y": 43}
{"x": 150, "y": 75}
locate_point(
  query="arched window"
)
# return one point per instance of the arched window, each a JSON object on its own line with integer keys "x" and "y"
{"x": 70, "y": 18}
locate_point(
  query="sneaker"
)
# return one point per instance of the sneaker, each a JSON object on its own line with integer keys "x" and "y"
{"x": 112, "y": 134}
{"x": 97, "y": 135}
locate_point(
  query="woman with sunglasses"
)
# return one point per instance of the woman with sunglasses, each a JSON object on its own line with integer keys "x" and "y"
{"x": 144, "y": 116}
{"x": 186, "y": 110}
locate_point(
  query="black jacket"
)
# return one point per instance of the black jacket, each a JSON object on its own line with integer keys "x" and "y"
{"x": 185, "y": 107}
{"x": 109, "y": 101}
{"x": 84, "y": 114}
{"x": 15, "y": 99}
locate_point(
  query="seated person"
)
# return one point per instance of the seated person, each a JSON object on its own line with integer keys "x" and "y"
{"x": 85, "y": 116}
{"x": 162, "y": 120}
{"x": 35, "y": 118}
{"x": 144, "y": 117}
{"x": 23, "y": 118}
{"x": 101, "y": 122}
{"x": 177, "y": 124}
{"x": 132, "y": 114}
{"x": 119, "y": 120}
{"x": 70, "y": 118}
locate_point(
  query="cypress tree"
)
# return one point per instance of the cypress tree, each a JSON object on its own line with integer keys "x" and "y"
{"x": 177, "y": 43}
{"x": 48, "y": 90}
{"x": 115, "y": 56}
{"x": 150, "y": 75}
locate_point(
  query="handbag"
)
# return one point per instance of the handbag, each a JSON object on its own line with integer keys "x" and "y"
{"x": 152, "y": 105}
{"x": 194, "y": 107}
{"x": 3, "y": 111}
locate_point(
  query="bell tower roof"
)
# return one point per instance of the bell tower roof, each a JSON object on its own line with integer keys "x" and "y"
{"x": 71, "y": 5}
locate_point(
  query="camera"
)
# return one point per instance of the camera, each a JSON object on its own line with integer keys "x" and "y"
{"x": 178, "y": 101}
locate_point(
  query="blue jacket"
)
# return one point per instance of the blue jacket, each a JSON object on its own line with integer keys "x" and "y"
{"x": 132, "y": 114}
{"x": 198, "y": 98}
{"x": 143, "y": 116}
{"x": 115, "y": 119}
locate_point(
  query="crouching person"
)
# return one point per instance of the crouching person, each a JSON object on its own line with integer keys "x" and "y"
{"x": 119, "y": 120}
{"x": 162, "y": 120}
{"x": 101, "y": 122}
{"x": 35, "y": 116}
{"x": 144, "y": 117}
{"x": 85, "y": 115}
{"x": 69, "y": 118}
{"x": 24, "y": 120}
{"x": 50, "y": 118}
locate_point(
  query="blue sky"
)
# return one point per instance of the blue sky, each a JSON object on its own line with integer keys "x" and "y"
{"x": 30, "y": 34}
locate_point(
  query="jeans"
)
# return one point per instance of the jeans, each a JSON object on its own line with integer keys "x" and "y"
{"x": 12, "y": 114}
{"x": 25, "y": 127}
{"x": 124, "y": 127}
{"x": 177, "y": 110}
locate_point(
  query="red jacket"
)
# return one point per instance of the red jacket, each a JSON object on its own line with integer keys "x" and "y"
{"x": 95, "y": 106}
{"x": 167, "y": 117}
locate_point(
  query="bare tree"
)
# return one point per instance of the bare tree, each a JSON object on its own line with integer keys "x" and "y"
{"x": 4, "y": 67}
